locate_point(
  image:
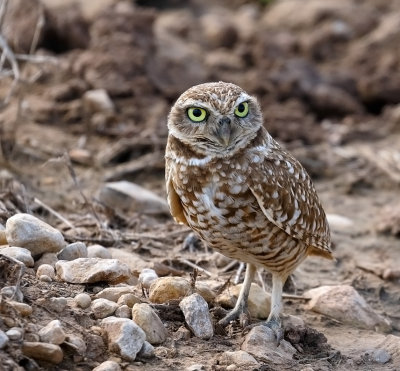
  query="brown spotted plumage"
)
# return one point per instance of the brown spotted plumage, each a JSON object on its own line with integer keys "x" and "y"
{"x": 234, "y": 185}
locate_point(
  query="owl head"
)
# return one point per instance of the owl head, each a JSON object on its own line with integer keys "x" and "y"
{"x": 215, "y": 118}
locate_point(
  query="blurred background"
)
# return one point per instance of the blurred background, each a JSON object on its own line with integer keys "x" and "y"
{"x": 86, "y": 87}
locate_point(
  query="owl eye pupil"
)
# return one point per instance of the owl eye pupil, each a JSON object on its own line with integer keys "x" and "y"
{"x": 197, "y": 112}
{"x": 241, "y": 107}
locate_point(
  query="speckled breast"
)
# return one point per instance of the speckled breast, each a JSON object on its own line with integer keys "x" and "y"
{"x": 221, "y": 208}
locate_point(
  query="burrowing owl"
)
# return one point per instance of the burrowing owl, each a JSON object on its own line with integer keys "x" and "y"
{"x": 244, "y": 195}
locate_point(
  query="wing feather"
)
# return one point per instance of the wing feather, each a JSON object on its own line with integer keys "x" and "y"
{"x": 286, "y": 195}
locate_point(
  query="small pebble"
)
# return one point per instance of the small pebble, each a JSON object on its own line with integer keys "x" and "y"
{"x": 77, "y": 343}
{"x": 148, "y": 320}
{"x": 18, "y": 253}
{"x": 114, "y": 293}
{"x": 52, "y": 333}
{"x": 147, "y": 350}
{"x": 196, "y": 367}
{"x": 3, "y": 339}
{"x": 168, "y": 288}
{"x": 108, "y": 366}
{"x": 128, "y": 299}
{"x": 43, "y": 351}
{"x": 98, "y": 251}
{"x": 45, "y": 278}
{"x": 15, "y": 333}
{"x": 58, "y": 304}
{"x": 24, "y": 309}
{"x": 123, "y": 312}
{"x": 103, "y": 308}
{"x": 73, "y": 251}
{"x": 381, "y": 356}
{"x": 83, "y": 300}
{"x": 197, "y": 316}
{"x": 147, "y": 276}
{"x": 182, "y": 333}
{"x": 47, "y": 270}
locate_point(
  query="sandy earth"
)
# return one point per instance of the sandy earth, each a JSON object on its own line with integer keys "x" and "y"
{"x": 328, "y": 79}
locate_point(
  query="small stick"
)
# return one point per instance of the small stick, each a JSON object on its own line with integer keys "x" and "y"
{"x": 200, "y": 269}
{"x": 229, "y": 266}
{"x": 238, "y": 273}
{"x": 55, "y": 213}
{"x": 295, "y": 297}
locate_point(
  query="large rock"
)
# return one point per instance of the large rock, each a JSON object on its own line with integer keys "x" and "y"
{"x": 169, "y": 288}
{"x": 261, "y": 343}
{"x": 148, "y": 320}
{"x": 18, "y": 253}
{"x": 259, "y": 302}
{"x": 124, "y": 336}
{"x": 239, "y": 358}
{"x": 25, "y": 230}
{"x": 89, "y": 270}
{"x": 346, "y": 305}
{"x": 197, "y": 316}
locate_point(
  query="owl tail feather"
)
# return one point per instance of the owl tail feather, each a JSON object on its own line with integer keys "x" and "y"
{"x": 314, "y": 251}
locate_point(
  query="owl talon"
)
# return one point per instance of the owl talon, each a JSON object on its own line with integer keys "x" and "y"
{"x": 275, "y": 325}
{"x": 191, "y": 243}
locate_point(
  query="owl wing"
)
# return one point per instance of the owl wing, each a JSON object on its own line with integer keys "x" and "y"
{"x": 287, "y": 197}
{"x": 174, "y": 201}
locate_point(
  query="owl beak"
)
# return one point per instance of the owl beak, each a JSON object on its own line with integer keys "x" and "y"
{"x": 224, "y": 131}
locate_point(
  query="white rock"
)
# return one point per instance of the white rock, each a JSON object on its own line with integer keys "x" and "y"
{"x": 103, "y": 308}
{"x": 346, "y": 305}
{"x": 97, "y": 101}
{"x": 261, "y": 343}
{"x": 108, "y": 366}
{"x": 126, "y": 196}
{"x": 148, "y": 320}
{"x": 169, "y": 288}
{"x": 98, "y": 251}
{"x": 147, "y": 276}
{"x": 123, "y": 312}
{"x": 15, "y": 333}
{"x": 83, "y": 300}
{"x": 124, "y": 336}
{"x": 24, "y": 230}
{"x": 259, "y": 302}
{"x": 46, "y": 269}
{"x": 43, "y": 351}
{"x": 3, "y": 339}
{"x": 19, "y": 253}
{"x": 381, "y": 356}
{"x": 147, "y": 350}
{"x": 196, "y": 367}
{"x": 77, "y": 343}
{"x": 90, "y": 270}
{"x": 239, "y": 358}
{"x": 114, "y": 293}
{"x": 52, "y": 333}
{"x": 73, "y": 251}
{"x": 197, "y": 317}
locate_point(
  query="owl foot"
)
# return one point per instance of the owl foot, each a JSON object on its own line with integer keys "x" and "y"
{"x": 240, "y": 313}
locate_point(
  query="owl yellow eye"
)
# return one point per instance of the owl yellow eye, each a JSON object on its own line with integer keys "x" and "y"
{"x": 197, "y": 114}
{"x": 242, "y": 109}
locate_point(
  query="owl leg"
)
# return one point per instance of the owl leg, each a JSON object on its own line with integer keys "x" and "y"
{"x": 274, "y": 321}
{"x": 241, "y": 304}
